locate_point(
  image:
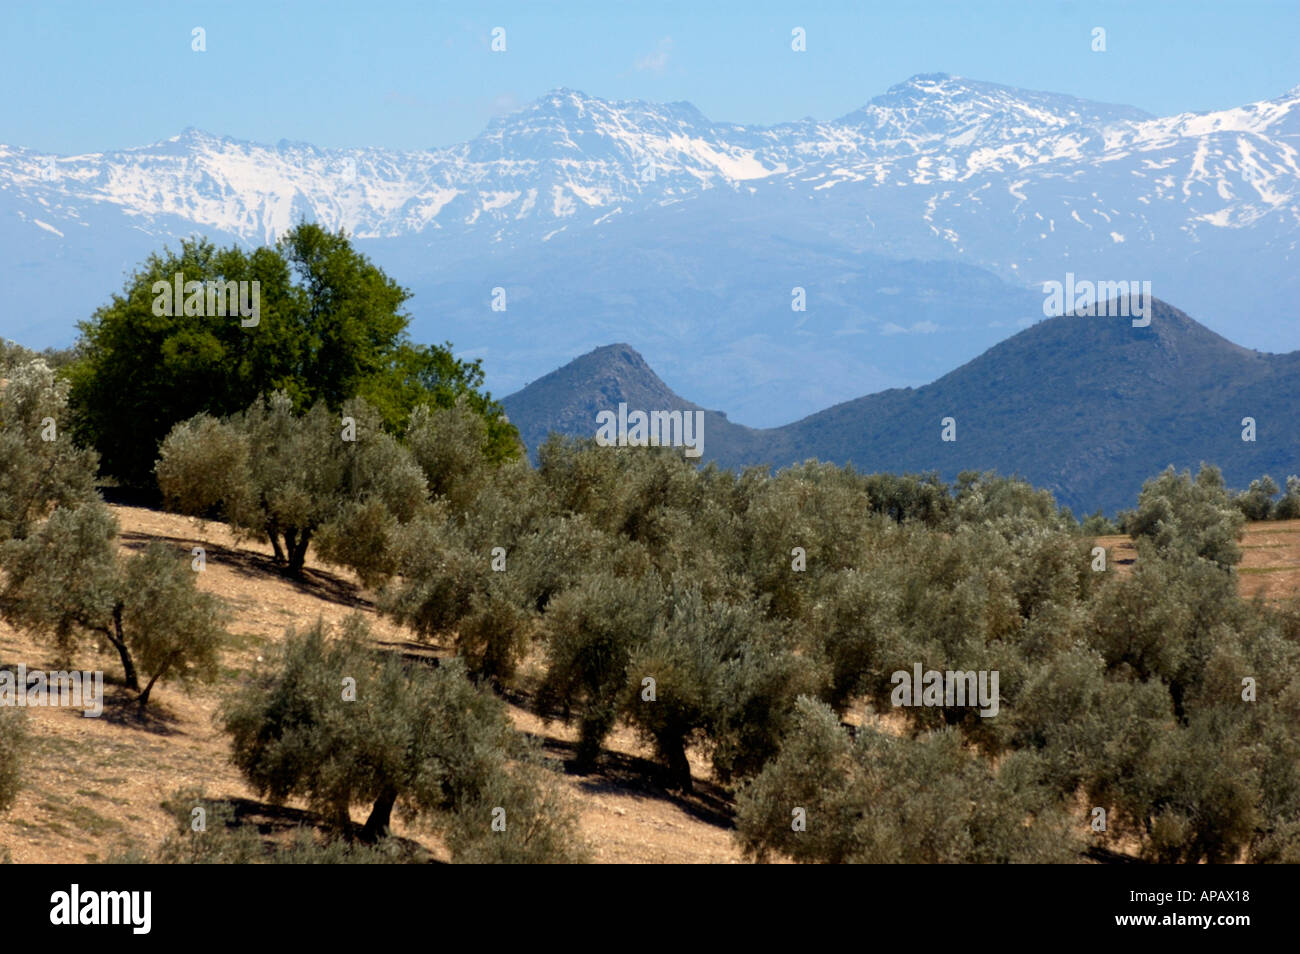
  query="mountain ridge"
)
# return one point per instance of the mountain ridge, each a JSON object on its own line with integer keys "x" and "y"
{"x": 1086, "y": 407}
{"x": 573, "y": 204}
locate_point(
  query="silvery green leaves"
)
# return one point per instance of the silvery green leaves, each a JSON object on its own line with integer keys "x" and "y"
{"x": 883, "y": 799}
{"x": 67, "y": 580}
{"x": 291, "y": 478}
{"x": 1189, "y": 517}
{"x": 418, "y": 742}
{"x": 13, "y": 745}
{"x": 37, "y": 473}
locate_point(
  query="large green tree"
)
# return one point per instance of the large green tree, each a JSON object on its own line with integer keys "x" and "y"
{"x": 329, "y": 326}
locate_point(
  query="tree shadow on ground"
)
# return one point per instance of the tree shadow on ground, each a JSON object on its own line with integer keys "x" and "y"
{"x": 314, "y": 582}
{"x": 122, "y": 707}
{"x": 623, "y": 774}
{"x": 411, "y": 651}
{"x": 1108, "y": 857}
{"x": 276, "y": 822}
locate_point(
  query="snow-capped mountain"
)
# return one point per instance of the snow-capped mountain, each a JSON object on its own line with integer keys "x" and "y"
{"x": 1027, "y": 185}
{"x": 560, "y": 159}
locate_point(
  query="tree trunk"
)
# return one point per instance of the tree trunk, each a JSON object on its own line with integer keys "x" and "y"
{"x": 144, "y": 696}
{"x": 298, "y": 552}
{"x": 377, "y": 825}
{"x": 274, "y": 533}
{"x": 1176, "y": 693}
{"x": 679, "y": 767}
{"x": 343, "y": 822}
{"x": 119, "y": 643}
{"x": 596, "y": 724}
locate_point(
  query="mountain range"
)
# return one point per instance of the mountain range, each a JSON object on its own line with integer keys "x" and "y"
{"x": 917, "y": 230}
{"x": 1086, "y": 407}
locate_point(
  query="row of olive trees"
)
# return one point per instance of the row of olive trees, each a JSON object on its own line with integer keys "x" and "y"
{"x": 424, "y": 743}
{"x": 1257, "y": 501}
{"x": 697, "y": 606}
{"x": 1148, "y": 693}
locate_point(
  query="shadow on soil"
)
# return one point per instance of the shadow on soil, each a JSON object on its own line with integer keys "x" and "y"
{"x": 313, "y": 582}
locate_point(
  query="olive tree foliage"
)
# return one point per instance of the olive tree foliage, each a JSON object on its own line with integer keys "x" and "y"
{"x": 719, "y": 673}
{"x": 910, "y": 497}
{"x": 1189, "y": 517}
{"x": 591, "y": 631}
{"x": 39, "y": 467}
{"x": 224, "y": 840}
{"x": 1007, "y": 502}
{"x": 293, "y": 478}
{"x": 1256, "y": 502}
{"x": 695, "y": 606}
{"x": 856, "y": 632}
{"x": 451, "y": 447}
{"x": 819, "y": 508}
{"x": 1149, "y": 716}
{"x": 881, "y": 799}
{"x": 1169, "y": 636}
{"x": 482, "y": 574}
{"x": 67, "y": 580}
{"x": 13, "y": 747}
{"x": 13, "y": 354}
{"x": 330, "y": 722}
{"x": 1288, "y": 508}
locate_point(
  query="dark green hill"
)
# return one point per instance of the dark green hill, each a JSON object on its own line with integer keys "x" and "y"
{"x": 1086, "y": 407}
{"x": 568, "y": 399}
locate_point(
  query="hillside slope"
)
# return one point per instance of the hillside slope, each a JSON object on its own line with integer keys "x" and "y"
{"x": 95, "y": 786}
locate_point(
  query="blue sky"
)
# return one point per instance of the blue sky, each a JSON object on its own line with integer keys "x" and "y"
{"x": 82, "y": 77}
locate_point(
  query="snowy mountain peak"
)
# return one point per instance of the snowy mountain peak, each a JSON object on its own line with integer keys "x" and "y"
{"x": 937, "y": 107}
{"x": 569, "y": 160}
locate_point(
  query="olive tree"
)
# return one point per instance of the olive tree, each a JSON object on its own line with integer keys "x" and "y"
{"x": 1288, "y": 508}
{"x": 881, "y": 799}
{"x": 1256, "y": 502}
{"x": 712, "y": 671}
{"x": 591, "y": 631}
{"x": 450, "y": 445}
{"x": 330, "y": 722}
{"x": 67, "y": 579}
{"x": 482, "y": 575}
{"x": 39, "y": 466}
{"x": 271, "y": 472}
{"x": 13, "y": 745}
{"x": 1189, "y": 517}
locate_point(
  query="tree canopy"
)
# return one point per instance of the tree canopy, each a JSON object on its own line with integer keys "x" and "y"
{"x": 330, "y": 326}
